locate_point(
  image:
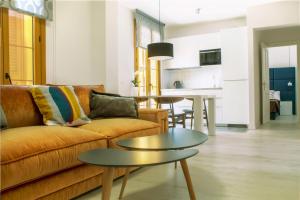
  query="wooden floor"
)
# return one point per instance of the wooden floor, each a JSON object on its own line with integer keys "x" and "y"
{"x": 236, "y": 164}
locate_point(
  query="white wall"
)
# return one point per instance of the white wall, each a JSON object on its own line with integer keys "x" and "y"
{"x": 282, "y": 56}
{"x": 91, "y": 42}
{"x": 278, "y": 15}
{"x": 126, "y": 50}
{"x": 206, "y": 77}
{"x": 98, "y": 40}
{"x": 75, "y": 51}
{"x": 254, "y": 79}
{"x": 203, "y": 27}
{"x": 271, "y": 37}
{"x": 119, "y": 48}
{"x": 111, "y": 46}
{"x": 283, "y": 13}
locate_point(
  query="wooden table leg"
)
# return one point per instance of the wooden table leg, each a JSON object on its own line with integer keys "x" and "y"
{"x": 188, "y": 179}
{"x": 125, "y": 178}
{"x": 107, "y": 181}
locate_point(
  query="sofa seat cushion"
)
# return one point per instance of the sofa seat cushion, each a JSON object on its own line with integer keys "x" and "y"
{"x": 66, "y": 183}
{"x": 121, "y": 128}
{"x": 29, "y": 153}
{"x": 116, "y": 127}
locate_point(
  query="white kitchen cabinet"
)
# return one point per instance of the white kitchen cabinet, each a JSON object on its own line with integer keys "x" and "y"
{"x": 183, "y": 54}
{"x": 219, "y": 115}
{"x": 186, "y": 49}
{"x": 234, "y": 46}
{"x": 236, "y": 102}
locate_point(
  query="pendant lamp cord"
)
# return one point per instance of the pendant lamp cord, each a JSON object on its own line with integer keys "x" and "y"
{"x": 159, "y": 21}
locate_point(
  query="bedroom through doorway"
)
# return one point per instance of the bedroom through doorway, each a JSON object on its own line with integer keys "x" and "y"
{"x": 280, "y": 84}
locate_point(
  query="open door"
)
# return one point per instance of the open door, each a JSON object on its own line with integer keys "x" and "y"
{"x": 265, "y": 84}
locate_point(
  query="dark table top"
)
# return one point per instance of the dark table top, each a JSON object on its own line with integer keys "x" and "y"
{"x": 123, "y": 158}
{"x": 177, "y": 138}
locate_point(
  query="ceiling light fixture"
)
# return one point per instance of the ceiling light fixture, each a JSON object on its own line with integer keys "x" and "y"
{"x": 160, "y": 50}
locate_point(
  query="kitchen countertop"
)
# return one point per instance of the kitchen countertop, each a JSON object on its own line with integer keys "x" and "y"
{"x": 216, "y": 88}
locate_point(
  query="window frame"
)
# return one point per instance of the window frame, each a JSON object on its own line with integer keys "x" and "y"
{"x": 39, "y": 40}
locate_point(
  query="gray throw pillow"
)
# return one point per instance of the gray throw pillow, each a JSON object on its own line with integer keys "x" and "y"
{"x": 103, "y": 106}
{"x": 3, "y": 122}
{"x": 106, "y": 94}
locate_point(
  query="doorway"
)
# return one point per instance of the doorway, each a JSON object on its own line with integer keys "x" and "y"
{"x": 280, "y": 83}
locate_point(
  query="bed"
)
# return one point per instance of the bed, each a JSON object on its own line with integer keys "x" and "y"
{"x": 274, "y": 104}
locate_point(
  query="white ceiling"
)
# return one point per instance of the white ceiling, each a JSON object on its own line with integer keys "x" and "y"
{"x": 184, "y": 11}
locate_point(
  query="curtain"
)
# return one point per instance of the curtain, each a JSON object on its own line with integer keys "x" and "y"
{"x": 148, "y": 29}
{"x": 39, "y": 8}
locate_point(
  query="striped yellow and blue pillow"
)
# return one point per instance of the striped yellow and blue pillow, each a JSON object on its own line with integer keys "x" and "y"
{"x": 59, "y": 105}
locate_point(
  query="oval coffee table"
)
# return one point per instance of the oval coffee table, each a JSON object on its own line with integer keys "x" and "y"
{"x": 175, "y": 139}
{"x": 114, "y": 158}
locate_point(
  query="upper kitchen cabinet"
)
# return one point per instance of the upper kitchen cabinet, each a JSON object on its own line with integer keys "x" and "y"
{"x": 186, "y": 49}
{"x": 234, "y": 45}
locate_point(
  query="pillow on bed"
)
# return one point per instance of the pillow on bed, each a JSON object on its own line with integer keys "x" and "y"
{"x": 274, "y": 95}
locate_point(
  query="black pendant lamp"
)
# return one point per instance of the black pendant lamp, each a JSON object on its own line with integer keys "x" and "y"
{"x": 160, "y": 50}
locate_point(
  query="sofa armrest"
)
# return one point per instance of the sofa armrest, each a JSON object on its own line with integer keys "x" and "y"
{"x": 159, "y": 116}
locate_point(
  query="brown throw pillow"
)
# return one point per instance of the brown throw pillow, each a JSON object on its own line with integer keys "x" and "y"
{"x": 104, "y": 106}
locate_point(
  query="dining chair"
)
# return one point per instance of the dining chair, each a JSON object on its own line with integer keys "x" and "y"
{"x": 189, "y": 113}
{"x": 174, "y": 117}
{"x": 140, "y": 100}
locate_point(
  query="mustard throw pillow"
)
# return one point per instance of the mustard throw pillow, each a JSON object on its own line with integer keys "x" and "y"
{"x": 59, "y": 105}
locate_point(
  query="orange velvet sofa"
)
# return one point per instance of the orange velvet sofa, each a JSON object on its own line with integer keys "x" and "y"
{"x": 40, "y": 162}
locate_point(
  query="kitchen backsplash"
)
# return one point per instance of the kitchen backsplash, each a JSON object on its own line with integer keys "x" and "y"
{"x": 206, "y": 77}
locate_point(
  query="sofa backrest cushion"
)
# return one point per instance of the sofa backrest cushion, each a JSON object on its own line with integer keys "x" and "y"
{"x": 19, "y": 107}
{"x": 21, "y": 110}
{"x": 3, "y": 122}
{"x": 83, "y": 93}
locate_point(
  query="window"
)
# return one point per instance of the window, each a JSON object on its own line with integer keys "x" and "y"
{"x": 147, "y": 30}
{"x": 22, "y": 48}
{"x": 20, "y": 33}
{"x": 148, "y": 75}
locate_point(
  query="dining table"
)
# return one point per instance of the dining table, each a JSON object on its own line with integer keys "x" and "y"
{"x": 198, "y": 110}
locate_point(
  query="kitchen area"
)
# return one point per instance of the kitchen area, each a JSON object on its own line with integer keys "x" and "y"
{"x": 211, "y": 64}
